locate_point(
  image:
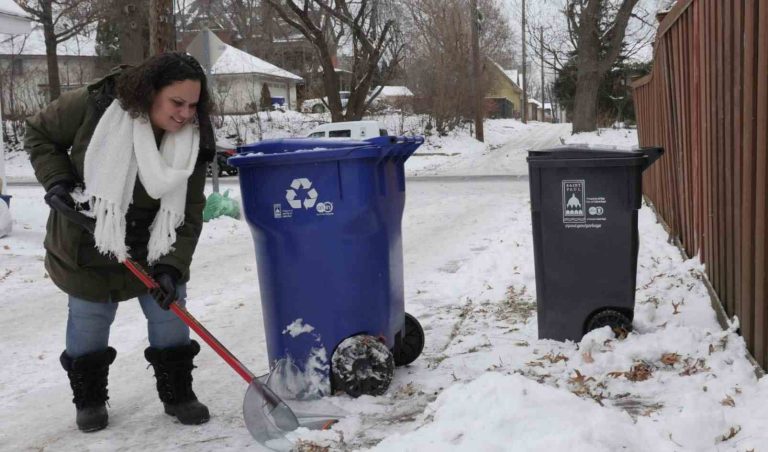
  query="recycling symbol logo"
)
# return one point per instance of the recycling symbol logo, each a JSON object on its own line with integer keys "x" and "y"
{"x": 292, "y": 196}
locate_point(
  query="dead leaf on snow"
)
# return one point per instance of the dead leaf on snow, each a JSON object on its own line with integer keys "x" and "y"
{"x": 587, "y": 357}
{"x": 693, "y": 367}
{"x": 639, "y": 372}
{"x": 615, "y": 374}
{"x": 309, "y": 446}
{"x": 579, "y": 379}
{"x": 731, "y": 433}
{"x": 670, "y": 359}
{"x": 728, "y": 401}
{"x": 554, "y": 359}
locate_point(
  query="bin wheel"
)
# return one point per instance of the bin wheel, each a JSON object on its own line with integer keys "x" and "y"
{"x": 362, "y": 365}
{"x": 412, "y": 343}
{"x": 619, "y": 322}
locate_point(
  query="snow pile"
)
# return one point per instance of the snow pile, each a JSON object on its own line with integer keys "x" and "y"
{"x": 510, "y": 412}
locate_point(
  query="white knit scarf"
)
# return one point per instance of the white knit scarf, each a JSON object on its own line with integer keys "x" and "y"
{"x": 122, "y": 147}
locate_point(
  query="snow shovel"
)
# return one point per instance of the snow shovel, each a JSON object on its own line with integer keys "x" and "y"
{"x": 267, "y": 416}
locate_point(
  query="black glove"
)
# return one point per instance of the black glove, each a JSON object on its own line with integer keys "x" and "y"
{"x": 167, "y": 278}
{"x": 62, "y": 190}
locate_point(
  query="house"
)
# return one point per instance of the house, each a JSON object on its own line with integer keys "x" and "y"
{"x": 554, "y": 112}
{"x": 14, "y": 20}
{"x": 395, "y": 96}
{"x": 24, "y": 69}
{"x": 504, "y": 96}
{"x": 238, "y": 78}
{"x": 534, "y": 112}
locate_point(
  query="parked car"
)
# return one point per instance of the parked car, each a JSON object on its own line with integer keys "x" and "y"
{"x": 223, "y": 152}
{"x": 356, "y": 130}
{"x": 319, "y": 105}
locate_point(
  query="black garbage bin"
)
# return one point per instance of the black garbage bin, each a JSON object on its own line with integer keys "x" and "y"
{"x": 584, "y": 204}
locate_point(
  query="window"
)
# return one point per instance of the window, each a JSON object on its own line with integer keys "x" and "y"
{"x": 317, "y": 135}
{"x": 340, "y": 134}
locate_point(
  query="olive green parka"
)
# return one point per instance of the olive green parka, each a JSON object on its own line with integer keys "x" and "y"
{"x": 56, "y": 139}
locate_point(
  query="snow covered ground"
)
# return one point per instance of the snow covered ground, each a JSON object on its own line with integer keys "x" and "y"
{"x": 484, "y": 382}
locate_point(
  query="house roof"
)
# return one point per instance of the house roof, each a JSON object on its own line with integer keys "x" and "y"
{"x": 534, "y": 101}
{"x": 393, "y": 91}
{"x": 13, "y": 19}
{"x": 33, "y": 44}
{"x": 11, "y": 8}
{"x": 235, "y": 61}
{"x": 510, "y": 74}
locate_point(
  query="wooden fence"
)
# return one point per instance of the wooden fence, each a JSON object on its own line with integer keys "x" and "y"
{"x": 706, "y": 103}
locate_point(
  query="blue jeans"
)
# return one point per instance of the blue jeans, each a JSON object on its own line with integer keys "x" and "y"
{"x": 89, "y": 323}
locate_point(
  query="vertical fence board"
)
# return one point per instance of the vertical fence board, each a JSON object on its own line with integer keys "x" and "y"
{"x": 761, "y": 213}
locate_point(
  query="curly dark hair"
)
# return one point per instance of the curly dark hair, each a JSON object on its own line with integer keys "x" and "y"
{"x": 136, "y": 88}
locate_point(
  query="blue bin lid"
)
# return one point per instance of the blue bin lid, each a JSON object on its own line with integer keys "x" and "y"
{"x": 302, "y": 150}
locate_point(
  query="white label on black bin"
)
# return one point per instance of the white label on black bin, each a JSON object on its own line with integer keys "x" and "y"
{"x": 573, "y": 201}
{"x": 301, "y": 196}
{"x": 579, "y": 210}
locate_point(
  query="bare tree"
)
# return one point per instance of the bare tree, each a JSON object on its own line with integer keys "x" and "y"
{"x": 61, "y": 20}
{"x": 592, "y": 35}
{"x": 599, "y": 28}
{"x": 375, "y": 43}
{"x": 438, "y": 57}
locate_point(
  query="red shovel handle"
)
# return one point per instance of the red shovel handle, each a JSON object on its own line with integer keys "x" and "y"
{"x": 192, "y": 323}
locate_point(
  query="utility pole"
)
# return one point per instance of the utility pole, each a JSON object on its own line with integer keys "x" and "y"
{"x": 541, "y": 51}
{"x": 525, "y": 93}
{"x": 479, "y": 135}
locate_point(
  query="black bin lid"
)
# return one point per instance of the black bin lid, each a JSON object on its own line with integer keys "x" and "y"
{"x": 585, "y": 155}
{"x": 582, "y": 152}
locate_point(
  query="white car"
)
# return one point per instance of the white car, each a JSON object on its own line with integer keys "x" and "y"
{"x": 318, "y": 105}
{"x": 356, "y": 130}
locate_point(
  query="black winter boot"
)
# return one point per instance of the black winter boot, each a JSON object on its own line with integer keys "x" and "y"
{"x": 88, "y": 378}
{"x": 173, "y": 371}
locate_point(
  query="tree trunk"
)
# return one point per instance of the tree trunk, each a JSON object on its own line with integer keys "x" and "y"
{"x": 134, "y": 32}
{"x": 585, "y": 101}
{"x": 161, "y": 27}
{"x": 54, "y": 84}
{"x": 331, "y": 84}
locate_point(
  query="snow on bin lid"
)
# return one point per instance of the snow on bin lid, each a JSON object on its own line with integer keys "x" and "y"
{"x": 298, "y": 150}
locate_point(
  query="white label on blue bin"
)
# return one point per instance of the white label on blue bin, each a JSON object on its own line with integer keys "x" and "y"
{"x": 301, "y": 195}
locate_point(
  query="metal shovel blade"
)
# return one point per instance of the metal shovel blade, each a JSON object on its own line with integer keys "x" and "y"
{"x": 267, "y": 417}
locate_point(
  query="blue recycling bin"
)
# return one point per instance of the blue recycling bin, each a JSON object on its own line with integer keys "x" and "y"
{"x": 325, "y": 216}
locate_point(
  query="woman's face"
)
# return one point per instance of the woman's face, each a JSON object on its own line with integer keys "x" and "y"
{"x": 175, "y": 105}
